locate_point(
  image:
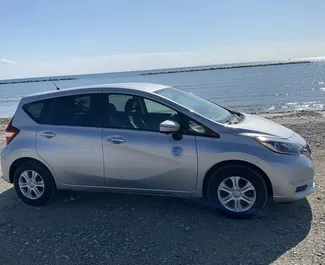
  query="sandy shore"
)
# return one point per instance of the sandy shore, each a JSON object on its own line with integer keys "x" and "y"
{"x": 124, "y": 229}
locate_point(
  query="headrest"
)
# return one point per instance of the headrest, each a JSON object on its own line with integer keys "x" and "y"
{"x": 111, "y": 109}
{"x": 130, "y": 105}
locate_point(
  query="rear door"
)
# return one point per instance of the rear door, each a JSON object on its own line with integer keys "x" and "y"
{"x": 137, "y": 156}
{"x": 71, "y": 143}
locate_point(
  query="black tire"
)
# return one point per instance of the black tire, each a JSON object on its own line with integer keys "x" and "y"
{"x": 49, "y": 184}
{"x": 241, "y": 171}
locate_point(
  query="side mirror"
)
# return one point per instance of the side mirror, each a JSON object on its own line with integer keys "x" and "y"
{"x": 169, "y": 126}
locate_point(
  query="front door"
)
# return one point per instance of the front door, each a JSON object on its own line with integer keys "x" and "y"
{"x": 138, "y": 156}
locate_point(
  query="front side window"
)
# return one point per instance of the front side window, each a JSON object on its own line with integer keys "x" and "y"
{"x": 119, "y": 100}
{"x": 134, "y": 112}
{"x": 77, "y": 110}
{"x": 154, "y": 107}
{"x": 197, "y": 104}
{"x": 140, "y": 113}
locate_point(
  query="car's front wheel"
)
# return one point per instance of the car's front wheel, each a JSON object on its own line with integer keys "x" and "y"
{"x": 237, "y": 191}
{"x": 34, "y": 184}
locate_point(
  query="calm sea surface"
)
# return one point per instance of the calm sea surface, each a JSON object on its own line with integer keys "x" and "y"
{"x": 258, "y": 89}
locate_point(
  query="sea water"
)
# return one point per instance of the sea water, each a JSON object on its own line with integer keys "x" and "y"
{"x": 277, "y": 88}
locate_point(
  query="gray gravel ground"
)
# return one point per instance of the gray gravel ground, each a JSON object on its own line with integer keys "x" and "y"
{"x": 102, "y": 228}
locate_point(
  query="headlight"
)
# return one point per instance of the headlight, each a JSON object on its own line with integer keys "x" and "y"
{"x": 279, "y": 145}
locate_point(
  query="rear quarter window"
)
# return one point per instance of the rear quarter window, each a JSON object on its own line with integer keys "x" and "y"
{"x": 40, "y": 111}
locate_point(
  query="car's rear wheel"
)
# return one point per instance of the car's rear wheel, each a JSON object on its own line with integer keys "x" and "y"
{"x": 34, "y": 183}
{"x": 237, "y": 191}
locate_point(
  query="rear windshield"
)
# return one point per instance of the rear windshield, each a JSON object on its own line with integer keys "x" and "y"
{"x": 40, "y": 111}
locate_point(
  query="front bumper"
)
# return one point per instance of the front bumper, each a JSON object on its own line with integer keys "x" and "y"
{"x": 292, "y": 177}
{"x": 294, "y": 195}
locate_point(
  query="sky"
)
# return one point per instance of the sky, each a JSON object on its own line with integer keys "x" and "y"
{"x": 44, "y": 38}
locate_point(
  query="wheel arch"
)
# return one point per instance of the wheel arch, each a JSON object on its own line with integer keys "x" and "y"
{"x": 217, "y": 166}
{"x": 17, "y": 163}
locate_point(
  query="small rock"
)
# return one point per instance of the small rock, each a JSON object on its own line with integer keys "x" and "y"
{"x": 71, "y": 198}
{"x": 38, "y": 240}
{"x": 26, "y": 243}
{"x": 187, "y": 228}
{"x": 182, "y": 225}
{"x": 143, "y": 250}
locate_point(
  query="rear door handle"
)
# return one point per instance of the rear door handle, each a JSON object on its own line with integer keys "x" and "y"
{"x": 48, "y": 134}
{"x": 115, "y": 139}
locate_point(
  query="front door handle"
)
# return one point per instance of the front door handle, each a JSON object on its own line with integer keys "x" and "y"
{"x": 48, "y": 134}
{"x": 116, "y": 139}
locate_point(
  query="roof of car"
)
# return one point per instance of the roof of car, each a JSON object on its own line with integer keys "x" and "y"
{"x": 145, "y": 87}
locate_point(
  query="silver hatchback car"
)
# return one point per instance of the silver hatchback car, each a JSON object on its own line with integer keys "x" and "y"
{"x": 152, "y": 139}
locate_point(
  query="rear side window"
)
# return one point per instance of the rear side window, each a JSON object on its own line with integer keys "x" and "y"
{"x": 78, "y": 110}
{"x": 40, "y": 111}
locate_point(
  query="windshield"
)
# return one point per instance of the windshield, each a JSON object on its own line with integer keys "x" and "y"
{"x": 197, "y": 104}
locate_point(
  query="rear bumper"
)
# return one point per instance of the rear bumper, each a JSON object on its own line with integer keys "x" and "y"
{"x": 292, "y": 177}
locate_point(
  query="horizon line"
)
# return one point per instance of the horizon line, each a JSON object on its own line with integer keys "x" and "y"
{"x": 312, "y": 59}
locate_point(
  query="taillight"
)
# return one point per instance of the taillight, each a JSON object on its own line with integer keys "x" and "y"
{"x": 11, "y": 132}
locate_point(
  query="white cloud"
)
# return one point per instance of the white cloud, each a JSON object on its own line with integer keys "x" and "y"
{"x": 6, "y": 61}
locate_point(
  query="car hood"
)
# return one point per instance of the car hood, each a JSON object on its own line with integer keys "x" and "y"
{"x": 257, "y": 125}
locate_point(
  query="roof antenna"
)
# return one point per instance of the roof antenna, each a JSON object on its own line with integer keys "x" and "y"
{"x": 57, "y": 88}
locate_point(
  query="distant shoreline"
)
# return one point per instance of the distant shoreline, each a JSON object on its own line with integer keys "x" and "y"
{"x": 223, "y": 67}
{"x": 37, "y": 80}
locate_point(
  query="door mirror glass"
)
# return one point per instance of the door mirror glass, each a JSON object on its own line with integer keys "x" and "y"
{"x": 169, "y": 126}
